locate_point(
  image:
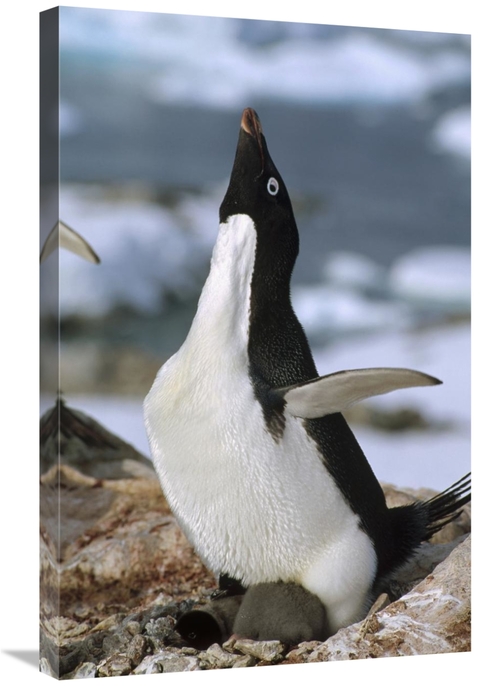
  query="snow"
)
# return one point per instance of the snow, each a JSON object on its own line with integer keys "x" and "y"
{"x": 452, "y": 132}
{"x": 145, "y": 250}
{"x": 440, "y": 275}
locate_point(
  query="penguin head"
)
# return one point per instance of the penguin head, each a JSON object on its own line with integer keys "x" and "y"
{"x": 257, "y": 190}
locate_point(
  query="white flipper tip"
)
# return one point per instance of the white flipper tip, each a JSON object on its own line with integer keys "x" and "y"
{"x": 336, "y": 392}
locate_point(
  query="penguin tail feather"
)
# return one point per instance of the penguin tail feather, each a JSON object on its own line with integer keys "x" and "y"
{"x": 446, "y": 506}
{"x": 413, "y": 524}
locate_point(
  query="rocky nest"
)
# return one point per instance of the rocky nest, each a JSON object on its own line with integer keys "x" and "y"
{"x": 117, "y": 573}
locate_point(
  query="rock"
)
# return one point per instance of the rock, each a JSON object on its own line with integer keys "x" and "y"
{"x": 429, "y": 556}
{"x": 432, "y": 618}
{"x": 216, "y": 657}
{"x": 137, "y": 649}
{"x": 86, "y": 670}
{"x": 302, "y": 652}
{"x": 244, "y": 661}
{"x": 70, "y": 437}
{"x": 160, "y": 631}
{"x": 110, "y": 622}
{"x": 45, "y": 667}
{"x": 117, "y": 573}
{"x": 108, "y": 546}
{"x": 116, "y": 665}
{"x": 167, "y": 662}
{"x": 117, "y": 539}
{"x": 266, "y": 651}
{"x": 133, "y": 628}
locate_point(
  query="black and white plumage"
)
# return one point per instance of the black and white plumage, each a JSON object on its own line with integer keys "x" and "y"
{"x": 254, "y": 456}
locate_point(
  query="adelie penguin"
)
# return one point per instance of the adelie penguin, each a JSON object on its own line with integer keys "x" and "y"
{"x": 256, "y": 460}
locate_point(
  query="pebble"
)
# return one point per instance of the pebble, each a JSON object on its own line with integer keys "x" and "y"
{"x": 137, "y": 649}
{"x": 116, "y": 665}
{"x": 175, "y": 663}
{"x": 160, "y": 631}
{"x": 86, "y": 670}
{"x": 133, "y": 628}
{"x": 244, "y": 661}
{"x": 267, "y": 651}
{"x": 216, "y": 657}
{"x": 302, "y": 651}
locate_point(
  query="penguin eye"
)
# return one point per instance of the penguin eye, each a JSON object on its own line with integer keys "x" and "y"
{"x": 273, "y": 186}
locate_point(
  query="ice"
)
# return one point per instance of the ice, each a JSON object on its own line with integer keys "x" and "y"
{"x": 320, "y": 64}
{"x": 357, "y": 295}
{"x": 439, "y": 275}
{"x": 452, "y": 132}
{"x": 323, "y": 308}
{"x": 145, "y": 250}
{"x": 352, "y": 270}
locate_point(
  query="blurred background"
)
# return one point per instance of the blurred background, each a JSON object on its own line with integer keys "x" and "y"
{"x": 370, "y": 130}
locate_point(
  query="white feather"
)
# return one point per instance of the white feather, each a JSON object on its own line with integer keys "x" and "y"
{"x": 254, "y": 508}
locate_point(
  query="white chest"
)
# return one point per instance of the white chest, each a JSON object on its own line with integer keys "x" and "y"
{"x": 253, "y": 507}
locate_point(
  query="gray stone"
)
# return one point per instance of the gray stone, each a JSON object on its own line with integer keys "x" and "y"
{"x": 70, "y": 437}
{"x": 87, "y": 670}
{"x": 266, "y": 651}
{"x": 216, "y": 657}
{"x": 116, "y": 665}
{"x": 244, "y": 661}
{"x": 137, "y": 649}
{"x": 167, "y": 661}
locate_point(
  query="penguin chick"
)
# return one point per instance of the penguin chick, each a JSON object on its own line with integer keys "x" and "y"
{"x": 281, "y": 611}
{"x": 210, "y": 623}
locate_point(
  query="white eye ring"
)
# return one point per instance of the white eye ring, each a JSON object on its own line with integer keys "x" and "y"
{"x": 273, "y": 186}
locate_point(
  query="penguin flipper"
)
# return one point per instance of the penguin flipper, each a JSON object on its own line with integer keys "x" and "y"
{"x": 336, "y": 392}
{"x": 65, "y": 237}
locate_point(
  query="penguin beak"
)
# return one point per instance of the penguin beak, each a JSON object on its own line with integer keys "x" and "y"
{"x": 250, "y": 123}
